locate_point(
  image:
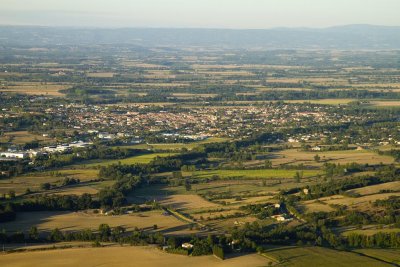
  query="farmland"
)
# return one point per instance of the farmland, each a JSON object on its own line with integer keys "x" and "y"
{"x": 67, "y": 221}
{"x": 117, "y": 256}
{"x": 166, "y": 155}
{"x": 132, "y": 160}
{"x": 261, "y": 174}
{"x": 293, "y": 256}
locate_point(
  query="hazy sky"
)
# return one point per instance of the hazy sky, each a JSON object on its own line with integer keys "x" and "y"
{"x": 200, "y": 13}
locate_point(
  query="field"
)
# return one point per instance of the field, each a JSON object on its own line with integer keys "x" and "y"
{"x": 374, "y": 189}
{"x": 388, "y": 255}
{"x": 314, "y": 206}
{"x": 22, "y": 137}
{"x": 336, "y": 101}
{"x": 123, "y": 256}
{"x": 35, "y": 88}
{"x": 33, "y": 181}
{"x": 317, "y": 256}
{"x": 385, "y": 103}
{"x": 295, "y": 156}
{"x": 270, "y": 173}
{"x": 74, "y": 221}
{"x": 179, "y": 146}
{"x": 132, "y": 160}
{"x": 358, "y": 203}
{"x": 371, "y": 231}
{"x": 186, "y": 202}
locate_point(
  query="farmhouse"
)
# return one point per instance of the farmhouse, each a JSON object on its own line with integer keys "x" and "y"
{"x": 187, "y": 246}
{"x": 280, "y": 217}
{"x": 316, "y": 148}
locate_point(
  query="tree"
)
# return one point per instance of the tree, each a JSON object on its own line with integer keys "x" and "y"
{"x": 56, "y": 235}
{"x": 188, "y": 186}
{"x": 268, "y": 164}
{"x": 104, "y": 231}
{"x": 45, "y": 186}
{"x": 298, "y": 176}
{"x": 11, "y": 194}
{"x": 317, "y": 158}
{"x": 172, "y": 242}
{"x": 218, "y": 252}
{"x": 177, "y": 174}
{"x": 33, "y": 233}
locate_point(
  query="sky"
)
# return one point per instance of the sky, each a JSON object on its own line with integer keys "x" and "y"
{"x": 234, "y": 14}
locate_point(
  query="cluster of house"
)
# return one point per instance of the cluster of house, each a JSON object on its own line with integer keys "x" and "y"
{"x": 194, "y": 122}
{"x": 13, "y": 153}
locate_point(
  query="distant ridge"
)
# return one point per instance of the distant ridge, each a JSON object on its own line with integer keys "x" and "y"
{"x": 347, "y": 37}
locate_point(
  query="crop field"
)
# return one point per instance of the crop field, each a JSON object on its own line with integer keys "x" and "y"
{"x": 179, "y": 146}
{"x": 132, "y": 160}
{"x": 74, "y": 221}
{"x": 314, "y": 206}
{"x": 371, "y": 231}
{"x": 317, "y": 256}
{"x": 269, "y": 173}
{"x": 295, "y": 156}
{"x": 22, "y": 137}
{"x": 185, "y": 202}
{"x": 388, "y": 255}
{"x": 374, "y": 189}
{"x": 19, "y": 184}
{"x": 236, "y": 187}
{"x": 81, "y": 174}
{"x": 385, "y": 103}
{"x": 34, "y": 88}
{"x": 100, "y": 74}
{"x": 336, "y": 101}
{"x": 359, "y": 203}
{"x": 123, "y": 256}
{"x": 81, "y": 188}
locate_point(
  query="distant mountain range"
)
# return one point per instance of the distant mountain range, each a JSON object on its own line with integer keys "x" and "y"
{"x": 351, "y": 37}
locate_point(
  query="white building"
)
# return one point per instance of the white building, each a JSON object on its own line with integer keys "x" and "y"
{"x": 316, "y": 148}
{"x": 14, "y": 155}
{"x": 187, "y": 246}
{"x": 106, "y": 136}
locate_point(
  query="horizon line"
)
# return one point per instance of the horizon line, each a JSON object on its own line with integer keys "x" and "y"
{"x": 198, "y": 28}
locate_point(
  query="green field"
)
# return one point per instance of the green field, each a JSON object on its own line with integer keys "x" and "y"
{"x": 317, "y": 256}
{"x": 178, "y": 146}
{"x": 142, "y": 159}
{"x": 388, "y": 255}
